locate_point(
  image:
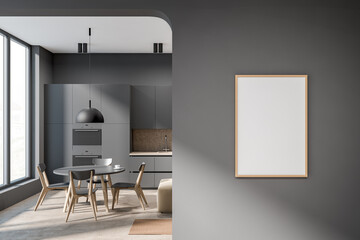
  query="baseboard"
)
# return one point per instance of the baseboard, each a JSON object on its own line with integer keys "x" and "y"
{"x": 19, "y": 192}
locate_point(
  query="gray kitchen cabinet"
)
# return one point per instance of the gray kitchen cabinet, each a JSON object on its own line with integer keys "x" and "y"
{"x": 143, "y": 107}
{"x": 116, "y": 145}
{"x": 147, "y": 180}
{"x": 159, "y": 176}
{"x": 58, "y": 149}
{"x": 151, "y": 107}
{"x": 156, "y": 169}
{"x": 115, "y": 101}
{"x": 163, "y": 164}
{"x": 58, "y": 103}
{"x": 81, "y": 97}
{"x": 136, "y": 161}
{"x": 163, "y": 112}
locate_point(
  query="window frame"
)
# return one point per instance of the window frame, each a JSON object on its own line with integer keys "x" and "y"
{"x": 6, "y": 112}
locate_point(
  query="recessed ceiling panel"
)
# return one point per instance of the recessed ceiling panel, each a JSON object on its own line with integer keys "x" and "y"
{"x": 109, "y": 34}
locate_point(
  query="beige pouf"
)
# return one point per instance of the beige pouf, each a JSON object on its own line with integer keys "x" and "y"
{"x": 164, "y": 196}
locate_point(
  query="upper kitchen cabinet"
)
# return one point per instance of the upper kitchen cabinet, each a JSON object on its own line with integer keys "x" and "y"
{"x": 58, "y": 103}
{"x": 151, "y": 107}
{"x": 143, "y": 107}
{"x": 163, "y": 110}
{"x": 82, "y": 93}
{"x": 115, "y": 101}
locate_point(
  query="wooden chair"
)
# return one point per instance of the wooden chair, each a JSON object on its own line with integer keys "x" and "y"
{"x": 134, "y": 186}
{"x": 46, "y": 187}
{"x": 107, "y": 180}
{"x": 102, "y": 162}
{"x": 77, "y": 193}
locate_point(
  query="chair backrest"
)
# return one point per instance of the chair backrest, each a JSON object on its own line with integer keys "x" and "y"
{"x": 42, "y": 167}
{"x": 42, "y": 174}
{"x": 102, "y": 161}
{"x": 141, "y": 172}
{"x": 81, "y": 175}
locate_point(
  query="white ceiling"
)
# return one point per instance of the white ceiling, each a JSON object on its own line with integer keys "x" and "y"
{"x": 109, "y": 34}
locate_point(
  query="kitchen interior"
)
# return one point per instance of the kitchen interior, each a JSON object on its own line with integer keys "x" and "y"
{"x": 123, "y": 69}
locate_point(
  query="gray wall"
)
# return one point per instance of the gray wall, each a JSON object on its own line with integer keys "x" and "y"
{"x": 133, "y": 69}
{"x": 42, "y": 72}
{"x": 213, "y": 41}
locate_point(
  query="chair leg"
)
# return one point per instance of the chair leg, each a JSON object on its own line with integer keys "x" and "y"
{"x": 139, "y": 197}
{"x": 39, "y": 199}
{"x": 79, "y": 184}
{"x": 44, "y": 195}
{"x": 114, "y": 197}
{"x": 67, "y": 192}
{"x": 93, "y": 205}
{"x": 143, "y": 196}
{"x": 73, "y": 206}
{"x": 117, "y": 196}
{"x": 72, "y": 202}
{"x": 110, "y": 184}
{"x": 87, "y": 198}
{"x": 95, "y": 202}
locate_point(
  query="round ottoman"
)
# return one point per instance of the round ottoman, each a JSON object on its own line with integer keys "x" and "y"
{"x": 164, "y": 196}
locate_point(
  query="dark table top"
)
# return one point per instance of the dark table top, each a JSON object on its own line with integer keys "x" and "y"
{"x": 99, "y": 170}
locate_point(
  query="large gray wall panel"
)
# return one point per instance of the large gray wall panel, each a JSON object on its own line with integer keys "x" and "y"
{"x": 58, "y": 149}
{"x": 132, "y": 69}
{"x": 82, "y": 93}
{"x": 116, "y": 145}
{"x": 58, "y": 103}
{"x": 143, "y": 107}
{"x": 163, "y": 111}
{"x": 213, "y": 41}
{"x": 115, "y": 101}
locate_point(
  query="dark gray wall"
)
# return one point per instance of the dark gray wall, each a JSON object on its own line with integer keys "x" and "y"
{"x": 213, "y": 41}
{"x": 42, "y": 72}
{"x": 133, "y": 69}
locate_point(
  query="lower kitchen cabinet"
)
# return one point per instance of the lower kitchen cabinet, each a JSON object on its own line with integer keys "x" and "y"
{"x": 156, "y": 168}
{"x": 147, "y": 179}
{"x": 159, "y": 176}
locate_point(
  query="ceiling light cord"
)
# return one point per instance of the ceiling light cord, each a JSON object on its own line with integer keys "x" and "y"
{"x": 89, "y": 52}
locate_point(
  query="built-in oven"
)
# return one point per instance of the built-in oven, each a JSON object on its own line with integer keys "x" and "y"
{"x": 88, "y": 137}
{"x": 87, "y": 143}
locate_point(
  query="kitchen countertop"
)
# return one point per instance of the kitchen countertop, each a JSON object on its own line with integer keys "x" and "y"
{"x": 147, "y": 154}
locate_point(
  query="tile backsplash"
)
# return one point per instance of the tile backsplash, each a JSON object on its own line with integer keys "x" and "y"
{"x": 151, "y": 140}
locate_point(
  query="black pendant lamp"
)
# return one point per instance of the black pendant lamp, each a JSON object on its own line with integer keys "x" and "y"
{"x": 89, "y": 115}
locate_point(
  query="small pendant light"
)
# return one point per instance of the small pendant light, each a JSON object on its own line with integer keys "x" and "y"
{"x": 89, "y": 115}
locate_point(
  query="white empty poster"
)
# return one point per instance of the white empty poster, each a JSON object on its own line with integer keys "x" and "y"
{"x": 271, "y": 126}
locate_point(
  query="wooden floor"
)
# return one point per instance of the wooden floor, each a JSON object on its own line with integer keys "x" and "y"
{"x": 48, "y": 222}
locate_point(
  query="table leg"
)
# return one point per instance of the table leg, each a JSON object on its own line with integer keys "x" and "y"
{"x": 104, "y": 187}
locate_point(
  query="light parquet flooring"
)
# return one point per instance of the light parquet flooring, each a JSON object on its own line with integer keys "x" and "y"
{"x": 48, "y": 222}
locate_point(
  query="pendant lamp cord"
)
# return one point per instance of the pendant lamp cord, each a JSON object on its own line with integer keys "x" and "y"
{"x": 90, "y": 63}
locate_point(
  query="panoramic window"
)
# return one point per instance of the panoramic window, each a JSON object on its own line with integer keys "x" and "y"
{"x": 18, "y": 62}
{"x": 14, "y": 93}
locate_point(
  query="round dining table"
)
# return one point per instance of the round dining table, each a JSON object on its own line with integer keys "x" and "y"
{"x": 99, "y": 171}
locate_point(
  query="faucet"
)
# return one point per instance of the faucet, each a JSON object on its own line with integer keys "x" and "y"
{"x": 166, "y": 146}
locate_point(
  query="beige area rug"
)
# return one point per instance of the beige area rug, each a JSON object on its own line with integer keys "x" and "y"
{"x": 151, "y": 227}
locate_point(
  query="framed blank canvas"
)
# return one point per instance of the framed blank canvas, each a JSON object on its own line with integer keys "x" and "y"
{"x": 271, "y": 126}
